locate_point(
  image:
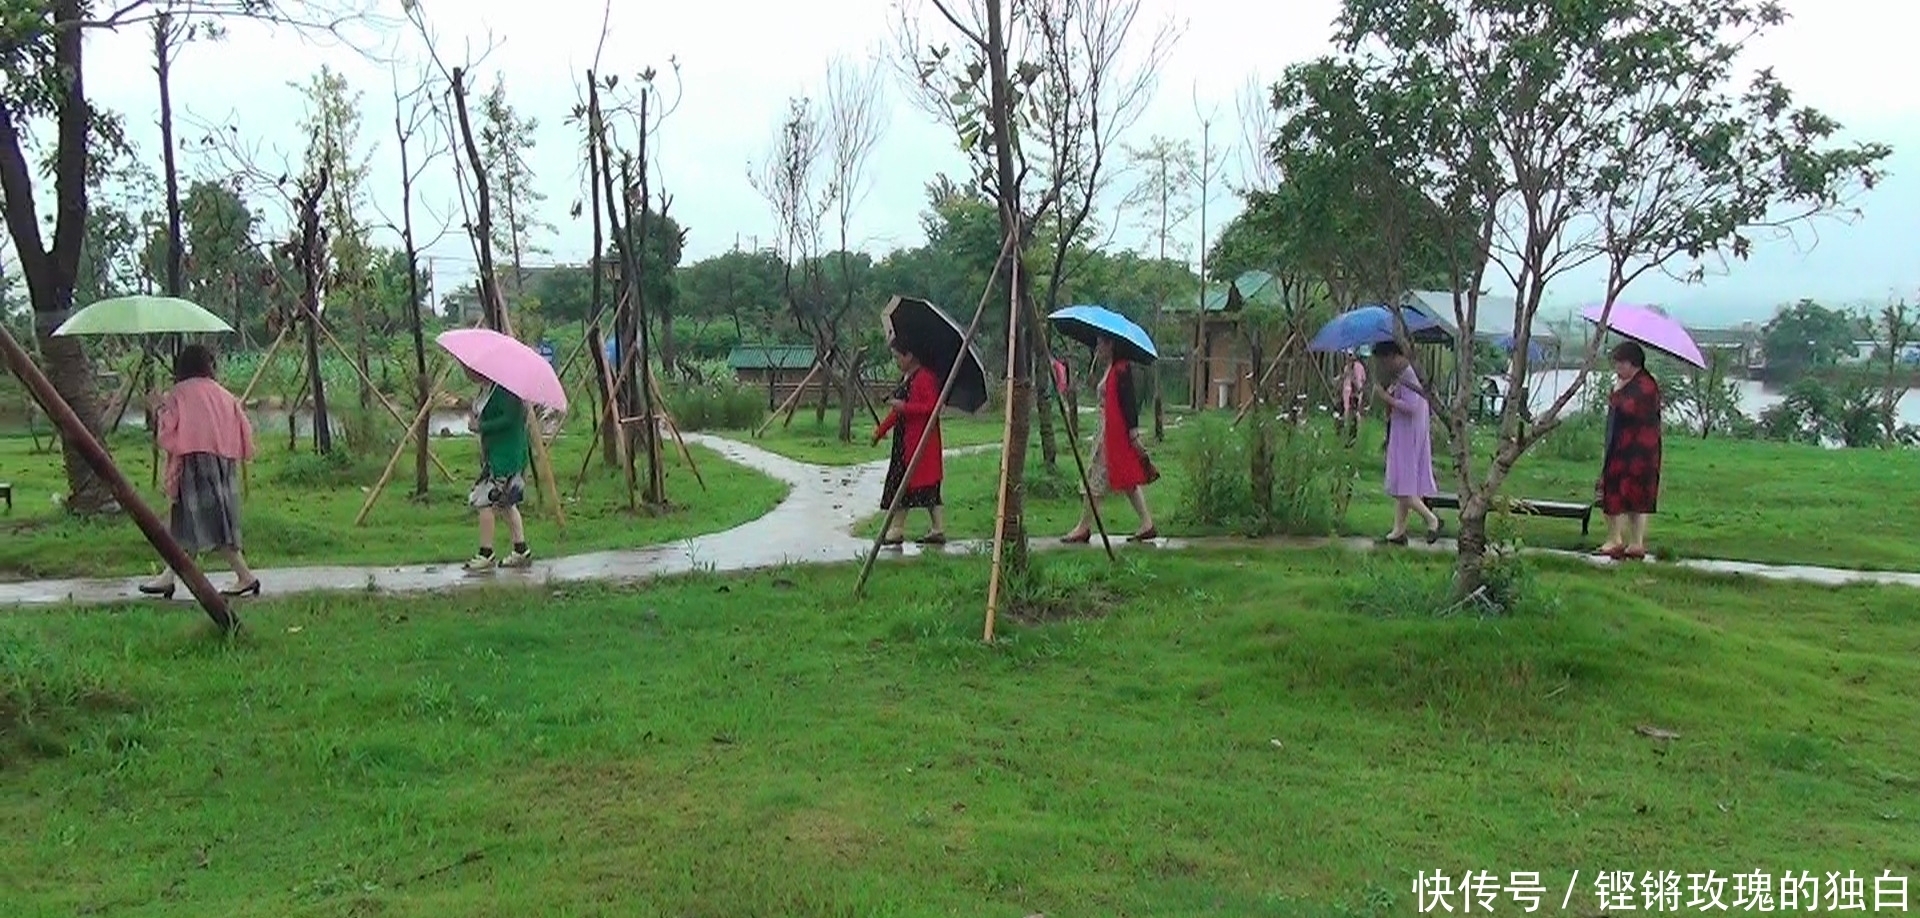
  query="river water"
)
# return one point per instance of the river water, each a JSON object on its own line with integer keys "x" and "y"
{"x": 1755, "y": 396}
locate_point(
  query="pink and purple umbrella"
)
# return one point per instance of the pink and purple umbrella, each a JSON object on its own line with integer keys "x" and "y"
{"x": 1650, "y": 328}
{"x": 511, "y": 365}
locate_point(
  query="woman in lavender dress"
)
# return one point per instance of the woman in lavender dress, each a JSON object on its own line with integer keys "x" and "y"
{"x": 1409, "y": 443}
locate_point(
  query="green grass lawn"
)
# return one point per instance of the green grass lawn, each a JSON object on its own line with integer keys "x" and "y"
{"x": 820, "y": 443}
{"x": 300, "y": 509}
{"x": 1743, "y": 500}
{"x": 1207, "y": 733}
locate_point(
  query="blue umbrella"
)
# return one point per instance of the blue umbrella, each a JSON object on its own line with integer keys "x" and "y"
{"x": 1088, "y": 324}
{"x": 1367, "y": 325}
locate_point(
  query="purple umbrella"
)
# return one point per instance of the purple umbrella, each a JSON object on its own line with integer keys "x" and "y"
{"x": 1643, "y": 324}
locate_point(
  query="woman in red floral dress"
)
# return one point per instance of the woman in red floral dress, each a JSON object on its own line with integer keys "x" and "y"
{"x": 1119, "y": 461}
{"x": 911, "y": 420}
{"x": 1629, "y": 486}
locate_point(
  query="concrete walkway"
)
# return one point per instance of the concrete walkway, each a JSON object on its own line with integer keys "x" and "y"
{"x": 812, "y": 526}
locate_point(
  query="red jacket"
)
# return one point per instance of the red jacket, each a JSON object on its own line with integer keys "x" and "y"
{"x": 919, "y": 421}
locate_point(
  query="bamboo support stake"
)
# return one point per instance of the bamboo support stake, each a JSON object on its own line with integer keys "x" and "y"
{"x": 1006, "y": 452}
{"x": 1073, "y": 438}
{"x": 609, "y": 419}
{"x": 260, "y": 371}
{"x": 793, "y": 404}
{"x": 384, "y": 401}
{"x": 543, "y": 466}
{"x": 1286, "y": 350}
{"x": 386, "y": 475}
{"x": 939, "y": 404}
{"x": 660, "y": 399}
{"x": 791, "y": 399}
{"x": 401, "y": 447}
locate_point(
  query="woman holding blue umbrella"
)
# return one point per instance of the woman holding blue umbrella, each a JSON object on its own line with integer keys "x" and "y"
{"x": 1120, "y": 463}
{"x": 1409, "y": 443}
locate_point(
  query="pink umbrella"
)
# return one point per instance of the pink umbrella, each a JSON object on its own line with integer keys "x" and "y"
{"x": 513, "y": 366}
{"x": 1643, "y": 324}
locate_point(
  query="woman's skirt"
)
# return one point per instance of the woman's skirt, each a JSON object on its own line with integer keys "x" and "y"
{"x": 915, "y": 498}
{"x": 206, "y": 514}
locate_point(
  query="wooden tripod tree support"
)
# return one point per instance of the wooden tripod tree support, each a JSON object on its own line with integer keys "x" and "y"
{"x": 1045, "y": 355}
{"x": 660, "y": 400}
{"x": 787, "y": 407}
{"x": 400, "y": 449}
{"x": 385, "y": 402}
{"x": 939, "y": 405}
{"x": 260, "y": 371}
{"x": 1287, "y": 350}
{"x": 607, "y": 419}
{"x": 70, "y": 426}
{"x": 610, "y": 415}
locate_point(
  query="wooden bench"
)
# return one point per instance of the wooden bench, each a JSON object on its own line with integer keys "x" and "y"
{"x": 1558, "y": 509}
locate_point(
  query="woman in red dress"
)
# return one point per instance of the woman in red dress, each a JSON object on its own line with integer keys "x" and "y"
{"x": 911, "y": 419}
{"x": 1119, "y": 462}
{"x": 1629, "y": 486}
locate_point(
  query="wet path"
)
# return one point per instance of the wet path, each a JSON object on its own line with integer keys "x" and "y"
{"x": 812, "y": 526}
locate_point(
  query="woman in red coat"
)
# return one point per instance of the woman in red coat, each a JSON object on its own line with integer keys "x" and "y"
{"x": 911, "y": 419}
{"x": 1119, "y": 462}
{"x": 1629, "y": 486}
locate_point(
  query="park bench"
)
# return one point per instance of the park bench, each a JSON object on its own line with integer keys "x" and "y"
{"x": 1558, "y": 509}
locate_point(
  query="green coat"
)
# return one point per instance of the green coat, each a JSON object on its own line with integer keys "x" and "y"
{"x": 503, "y": 434}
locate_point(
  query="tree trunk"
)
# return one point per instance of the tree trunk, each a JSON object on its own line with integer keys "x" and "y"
{"x": 1469, "y": 565}
{"x": 162, "y": 35}
{"x": 1013, "y": 535}
{"x": 72, "y": 376}
{"x": 849, "y": 387}
{"x": 668, "y": 359}
{"x": 1049, "y": 441}
{"x": 50, "y": 271}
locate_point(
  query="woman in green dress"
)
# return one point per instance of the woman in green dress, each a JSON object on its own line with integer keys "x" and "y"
{"x": 500, "y": 418}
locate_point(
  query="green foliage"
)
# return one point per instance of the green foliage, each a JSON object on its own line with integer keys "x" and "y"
{"x": 1397, "y": 586}
{"x": 1262, "y": 478}
{"x": 1808, "y": 336}
{"x": 334, "y": 469}
{"x": 716, "y": 405}
{"x": 1425, "y": 127}
{"x": 1580, "y": 437}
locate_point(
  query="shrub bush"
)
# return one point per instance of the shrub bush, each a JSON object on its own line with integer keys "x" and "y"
{"x": 1303, "y": 473}
{"x": 1579, "y": 438}
{"x": 718, "y": 405}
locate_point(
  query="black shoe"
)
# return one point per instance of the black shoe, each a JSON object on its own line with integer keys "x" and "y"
{"x": 1434, "y": 534}
{"x": 251, "y": 589}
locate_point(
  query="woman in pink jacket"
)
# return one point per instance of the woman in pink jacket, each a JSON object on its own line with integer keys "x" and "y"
{"x": 203, "y": 429}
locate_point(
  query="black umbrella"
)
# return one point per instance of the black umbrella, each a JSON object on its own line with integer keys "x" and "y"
{"x": 933, "y": 337}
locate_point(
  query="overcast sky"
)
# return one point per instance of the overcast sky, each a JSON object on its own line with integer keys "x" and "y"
{"x": 742, "y": 59}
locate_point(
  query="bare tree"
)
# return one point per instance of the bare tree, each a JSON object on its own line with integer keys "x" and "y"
{"x": 856, "y": 116}
{"x": 415, "y": 120}
{"x": 1259, "y": 125}
{"x": 1164, "y": 195}
{"x": 797, "y": 180}
{"x": 505, "y": 136}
